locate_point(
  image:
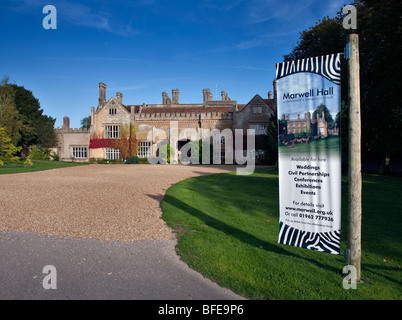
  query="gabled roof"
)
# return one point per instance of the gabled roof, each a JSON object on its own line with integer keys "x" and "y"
{"x": 114, "y": 102}
{"x": 269, "y": 102}
{"x": 240, "y": 107}
{"x": 136, "y": 108}
{"x": 272, "y": 104}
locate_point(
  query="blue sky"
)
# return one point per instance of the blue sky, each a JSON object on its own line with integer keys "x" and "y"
{"x": 142, "y": 48}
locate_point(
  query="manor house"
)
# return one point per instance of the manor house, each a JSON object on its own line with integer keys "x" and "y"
{"x": 112, "y": 118}
{"x": 316, "y": 127}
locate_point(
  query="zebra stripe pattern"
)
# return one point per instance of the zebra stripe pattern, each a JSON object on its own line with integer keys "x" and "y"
{"x": 326, "y": 242}
{"x": 328, "y": 66}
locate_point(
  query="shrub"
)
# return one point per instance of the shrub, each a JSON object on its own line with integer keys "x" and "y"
{"x": 1, "y": 163}
{"x": 14, "y": 159}
{"x": 39, "y": 153}
{"x": 7, "y": 150}
{"x": 28, "y": 162}
{"x": 143, "y": 161}
{"x": 55, "y": 157}
{"x": 133, "y": 160}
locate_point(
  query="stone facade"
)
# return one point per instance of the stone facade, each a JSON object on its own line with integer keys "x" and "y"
{"x": 153, "y": 122}
{"x": 72, "y": 144}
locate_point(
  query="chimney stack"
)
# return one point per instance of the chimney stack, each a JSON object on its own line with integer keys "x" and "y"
{"x": 207, "y": 95}
{"x": 175, "y": 96}
{"x": 66, "y": 124}
{"x": 166, "y": 99}
{"x": 119, "y": 97}
{"x": 225, "y": 96}
{"x": 102, "y": 94}
{"x": 270, "y": 95}
{"x": 275, "y": 91}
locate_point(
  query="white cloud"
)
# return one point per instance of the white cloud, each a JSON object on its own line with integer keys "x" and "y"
{"x": 265, "y": 10}
{"x": 78, "y": 14}
{"x": 248, "y": 44}
{"x": 220, "y": 5}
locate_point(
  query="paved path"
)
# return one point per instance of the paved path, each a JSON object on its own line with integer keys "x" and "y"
{"x": 97, "y": 270}
{"x": 90, "y": 262}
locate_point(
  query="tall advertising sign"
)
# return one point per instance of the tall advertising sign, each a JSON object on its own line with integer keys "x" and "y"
{"x": 308, "y": 98}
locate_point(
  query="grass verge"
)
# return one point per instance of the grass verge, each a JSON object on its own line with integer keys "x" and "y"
{"x": 39, "y": 165}
{"x": 227, "y": 227}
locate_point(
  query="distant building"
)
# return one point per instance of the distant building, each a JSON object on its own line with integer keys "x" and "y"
{"x": 112, "y": 119}
{"x": 316, "y": 127}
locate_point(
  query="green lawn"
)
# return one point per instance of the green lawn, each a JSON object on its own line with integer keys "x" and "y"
{"x": 319, "y": 147}
{"x": 227, "y": 227}
{"x": 39, "y": 165}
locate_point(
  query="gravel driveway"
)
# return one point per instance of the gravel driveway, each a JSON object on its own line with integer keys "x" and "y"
{"x": 105, "y": 202}
{"x": 101, "y": 227}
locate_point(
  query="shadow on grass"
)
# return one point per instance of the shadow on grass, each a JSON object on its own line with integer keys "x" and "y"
{"x": 380, "y": 272}
{"x": 237, "y": 233}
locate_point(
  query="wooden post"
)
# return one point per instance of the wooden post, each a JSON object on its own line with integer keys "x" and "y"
{"x": 355, "y": 175}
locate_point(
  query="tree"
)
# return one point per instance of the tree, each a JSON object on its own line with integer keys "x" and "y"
{"x": 326, "y": 37}
{"x": 380, "y": 32}
{"x": 8, "y": 151}
{"x": 86, "y": 122}
{"x": 10, "y": 118}
{"x": 380, "y": 29}
{"x": 271, "y": 153}
{"x": 327, "y": 115}
{"x": 38, "y": 129}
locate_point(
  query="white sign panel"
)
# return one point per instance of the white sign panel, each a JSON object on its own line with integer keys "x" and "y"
{"x": 308, "y": 97}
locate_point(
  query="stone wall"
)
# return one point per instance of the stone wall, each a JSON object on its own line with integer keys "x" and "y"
{"x": 68, "y": 138}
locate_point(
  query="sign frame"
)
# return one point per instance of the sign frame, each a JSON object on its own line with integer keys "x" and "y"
{"x": 309, "y": 153}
